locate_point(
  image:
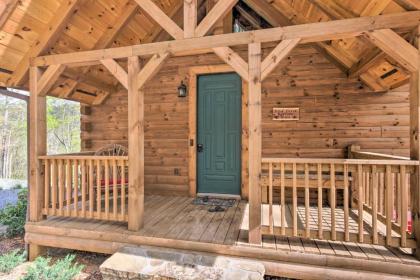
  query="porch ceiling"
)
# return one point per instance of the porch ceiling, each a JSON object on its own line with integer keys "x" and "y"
{"x": 32, "y": 28}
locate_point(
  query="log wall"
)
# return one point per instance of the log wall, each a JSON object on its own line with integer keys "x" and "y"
{"x": 334, "y": 112}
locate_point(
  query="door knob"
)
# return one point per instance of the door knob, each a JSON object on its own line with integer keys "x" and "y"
{"x": 200, "y": 148}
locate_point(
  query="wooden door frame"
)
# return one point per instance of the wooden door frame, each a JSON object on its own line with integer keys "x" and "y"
{"x": 194, "y": 72}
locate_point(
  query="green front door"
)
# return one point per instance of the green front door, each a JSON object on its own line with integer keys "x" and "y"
{"x": 219, "y": 134}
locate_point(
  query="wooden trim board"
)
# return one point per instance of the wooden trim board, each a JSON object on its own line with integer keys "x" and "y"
{"x": 110, "y": 242}
{"x": 192, "y": 126}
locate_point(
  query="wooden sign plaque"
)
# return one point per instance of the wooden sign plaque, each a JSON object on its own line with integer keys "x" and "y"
{"x": 286, "y": 114}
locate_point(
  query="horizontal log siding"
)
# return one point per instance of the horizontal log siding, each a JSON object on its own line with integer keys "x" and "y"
{"x": 334, "y": 112}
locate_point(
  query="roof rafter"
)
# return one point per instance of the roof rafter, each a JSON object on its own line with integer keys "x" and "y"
{"x": 104, "y": 41}
{"x": 313, "y": 32}
{"x": 45, "y": 40}
{"x": 6, "y": 9}
{"x": 161, "y": 18}
{"x": 288, "y": 16}
{"x": 219, "y": 10}
{"x": 409, "y": 5}
{"x": 335, "y": 11}
{"x": 396, "y": 47}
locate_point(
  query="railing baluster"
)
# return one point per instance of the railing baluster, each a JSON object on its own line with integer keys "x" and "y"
{"x": 381, "y": 192}
{"x": 373, "y": 178}
{"x": 73, "y": 187}
{"x": 107, "y": 189}
{"x": 333, "y": 202}
{"x": 68, "y": 187}
{"x": 307, "y": 228}
{"x": 404, "y": 205}
{"x": 389, "y": 189}
{"x": 47, "y": 185}
{"x": 91, "y": 191}
{"x": 294, "y": 198}
{"x": 282, "y": 199}
{"x": 114, "y": 189}
{"x": 60, "y": 187}
{"x": 54, "y": 187}
{"x": 360, "y": 183}
{"x": 98, "y": 188}
{"x": 399, "y": 199}
{"x": 123, "y": 188}
{"x": 83, "y": 170}
{"x": 270, "y": 197}
{"x": 319, "y": 176}
{"x": 374, "y": 204}
{"x": 76, "y": 186}
{"x": 346, "y": 203}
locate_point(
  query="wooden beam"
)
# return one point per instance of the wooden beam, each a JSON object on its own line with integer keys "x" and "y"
{"x": 255, "y": 142}
{"x": 268, "y": 12}
{"x": 409, "y": 5}
{"x": 49, "y": 77}
{"x": 333, "y": 53}
{"x": 135, "y": 147}
{"x": 415, "y": 146}
{"x": 255, "y": 23}
{"x": 161, "y": 18}
{"x": 37, "y": 146}
{"x": 151, "y": 68}
{"x": 190, "y": 18}
{"x": 8, "y": 93}
{"x": 313, "y": 32}
{"x": 333, "y": 10}
{"x": 396, "y": 47}
{"x": 366, "y": 62}
{"x": 233, "y": 59}
{"x": 375, "y": 7}
{"x": 288, "y": 16}
{"x": 276, "y": 19}
{"x": 45, "y": 40}
{"x": 116, "y": 70}
{"x": 276, "y": 56}
{"x": 6, "y": 9}
{"x": 220, "y": 10}
{"x": 104, "y": 41}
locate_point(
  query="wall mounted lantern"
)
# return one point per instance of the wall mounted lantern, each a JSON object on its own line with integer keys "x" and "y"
{"x": 182, "y": 90}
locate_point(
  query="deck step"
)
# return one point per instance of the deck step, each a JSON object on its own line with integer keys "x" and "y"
{"x": 162, "y": 263}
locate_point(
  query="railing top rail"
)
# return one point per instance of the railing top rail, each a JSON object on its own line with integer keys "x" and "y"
{"x": 84, "y": 157}
{"x": 340, "y": 161}
{"x": 371, "y": 155}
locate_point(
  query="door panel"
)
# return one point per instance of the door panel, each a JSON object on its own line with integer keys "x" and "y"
{"x": 219, "y": 131}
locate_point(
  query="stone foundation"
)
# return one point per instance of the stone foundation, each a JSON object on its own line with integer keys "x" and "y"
{"x": 137, "y": 263}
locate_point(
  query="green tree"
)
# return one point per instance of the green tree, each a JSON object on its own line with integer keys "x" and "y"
{"x": 63, "y": 122}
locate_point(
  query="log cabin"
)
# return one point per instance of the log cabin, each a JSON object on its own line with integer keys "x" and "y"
{"x": 301, "y": 117}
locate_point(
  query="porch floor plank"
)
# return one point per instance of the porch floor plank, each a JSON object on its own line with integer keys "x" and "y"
{"x": 176, "y": 218}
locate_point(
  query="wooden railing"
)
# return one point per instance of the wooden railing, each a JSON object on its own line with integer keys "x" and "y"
{"x": 354, "y": 200}
{"x": 86, "y": 186}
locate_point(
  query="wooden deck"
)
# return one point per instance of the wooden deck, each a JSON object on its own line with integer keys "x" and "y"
{"x": 175, "y": 222}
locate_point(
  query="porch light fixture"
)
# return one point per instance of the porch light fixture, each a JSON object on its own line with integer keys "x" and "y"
{"x": 182, "y": 90}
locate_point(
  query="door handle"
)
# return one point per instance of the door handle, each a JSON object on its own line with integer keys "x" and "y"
{"x": 200, "y": 148}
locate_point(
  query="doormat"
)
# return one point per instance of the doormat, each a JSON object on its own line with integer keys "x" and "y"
{"x": 214, "y": 201}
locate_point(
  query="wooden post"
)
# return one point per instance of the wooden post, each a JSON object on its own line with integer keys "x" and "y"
{"x": 37, "y": 147}
{"x": 190, "y": 18}
{"x": 415, "y": 147}
{"x": 254, "y": 113}
{"x": 135, "y": 147}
